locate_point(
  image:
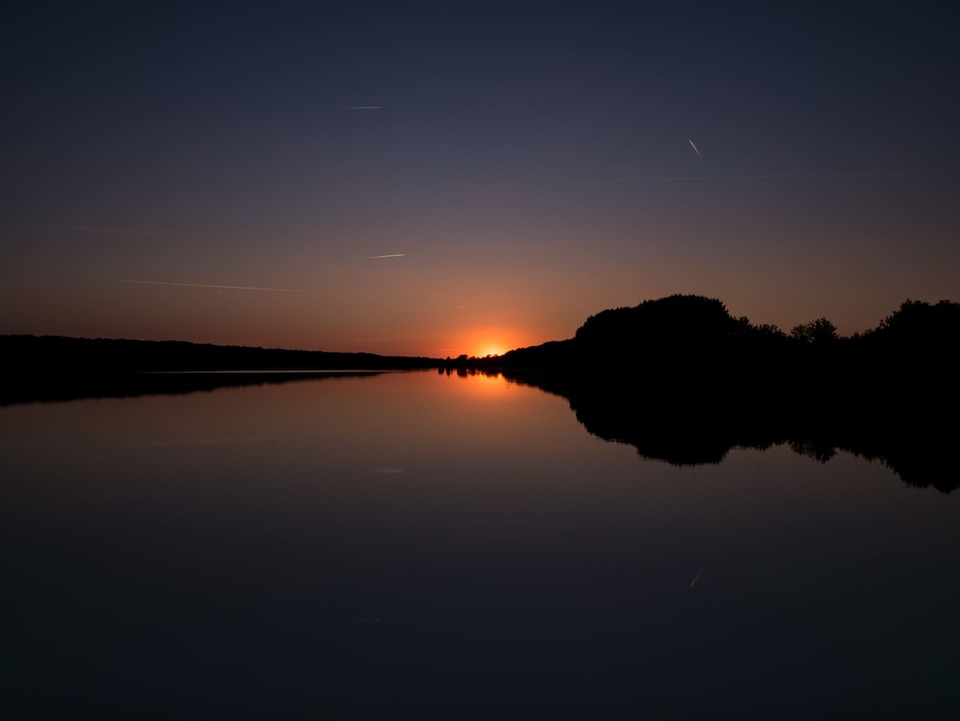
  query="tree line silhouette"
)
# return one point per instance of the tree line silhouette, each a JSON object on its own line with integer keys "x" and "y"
{"x": 689, "y": 346}
{"x": 682, "y": 380}
{"x": 686, "y": 333}
{"x": 56, "y": 368}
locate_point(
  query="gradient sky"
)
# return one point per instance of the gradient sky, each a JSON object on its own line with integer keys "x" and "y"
{"x": 530, "y": 161}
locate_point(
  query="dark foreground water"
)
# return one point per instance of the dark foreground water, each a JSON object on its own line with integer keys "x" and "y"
{"x": 426, "y": 546}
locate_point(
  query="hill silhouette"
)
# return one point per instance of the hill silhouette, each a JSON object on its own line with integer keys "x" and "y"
{"x": 682, "y": 332}
{"x": 693, "y": 341}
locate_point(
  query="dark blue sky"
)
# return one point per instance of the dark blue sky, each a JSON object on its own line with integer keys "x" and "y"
{"x": 531, "y": 161}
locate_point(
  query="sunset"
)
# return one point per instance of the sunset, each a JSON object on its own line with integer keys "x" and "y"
{"x": 399, "y": 175}
{"x": 373, "y": 359}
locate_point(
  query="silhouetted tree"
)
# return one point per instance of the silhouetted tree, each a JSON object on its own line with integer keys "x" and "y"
{"x": 769, "y": 330}
{"x": 819, "y": 332}
{"x": 918, "y": 323}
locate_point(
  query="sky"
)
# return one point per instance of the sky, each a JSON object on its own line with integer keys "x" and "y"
{"x": 467, "y": 177}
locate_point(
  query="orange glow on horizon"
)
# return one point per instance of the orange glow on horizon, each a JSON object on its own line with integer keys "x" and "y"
{"x": 491, "y": 340}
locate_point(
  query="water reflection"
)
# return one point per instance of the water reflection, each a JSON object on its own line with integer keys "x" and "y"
{"x": 424, "y": 546}
{"x": 53, "y": 388}
{"x": 679, "y": 429}
{"x": 692, "y": 429}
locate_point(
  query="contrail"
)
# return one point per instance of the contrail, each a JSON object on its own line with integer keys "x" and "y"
{"x": 360, "y": 107}
{"x": 696, "y": 578}
{"x": 226, "y": 287}
{"x": 389, "y": 255}
{"x": 95, "y": 229}
{"x": 692, "y": 145}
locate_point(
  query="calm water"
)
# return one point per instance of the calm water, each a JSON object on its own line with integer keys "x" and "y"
{"x": 427, "y": 546}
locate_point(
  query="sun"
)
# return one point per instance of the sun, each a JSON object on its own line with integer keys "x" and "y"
{"x": 486, "y": 340}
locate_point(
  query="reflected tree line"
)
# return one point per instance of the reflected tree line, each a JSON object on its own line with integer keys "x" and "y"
{"x": 688, "y": 431}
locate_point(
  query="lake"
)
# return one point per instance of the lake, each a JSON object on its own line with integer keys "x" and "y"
{"x": 424, "y": 545}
